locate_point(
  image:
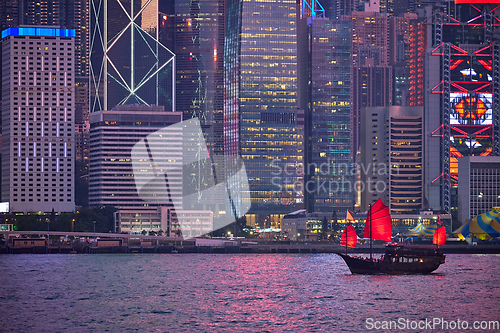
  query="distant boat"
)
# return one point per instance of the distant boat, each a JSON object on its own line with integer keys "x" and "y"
{"x": 398, "y": 259}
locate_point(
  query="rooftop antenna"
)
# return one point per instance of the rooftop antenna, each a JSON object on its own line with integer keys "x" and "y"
{"x": 313, "y": 9}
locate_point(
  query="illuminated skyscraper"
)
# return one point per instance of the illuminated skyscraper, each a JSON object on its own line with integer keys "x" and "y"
{"x": 328, "y": 157}
{"x": 38, "y": 154}
{"x": 197, "y": 39}
{"x": 128, "y": 64}
{"x": 371, "y": 73}
{"x": 462, "y": 108}
{"x": 260, "y": 101}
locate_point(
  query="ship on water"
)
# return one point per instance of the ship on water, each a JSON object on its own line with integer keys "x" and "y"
{"x": 398, "y": 259}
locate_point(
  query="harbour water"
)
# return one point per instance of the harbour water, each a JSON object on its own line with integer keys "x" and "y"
{"x": 234, "y": 293}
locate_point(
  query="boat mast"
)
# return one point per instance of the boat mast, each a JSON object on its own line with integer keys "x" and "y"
{"x": 371, "y": 245}
{"x": 346, "y": 241}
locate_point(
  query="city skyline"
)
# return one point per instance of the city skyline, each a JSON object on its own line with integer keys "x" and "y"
{"x": 283, "y": 85}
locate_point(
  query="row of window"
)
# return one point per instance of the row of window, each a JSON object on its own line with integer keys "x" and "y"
{"x": 31, "y": 200}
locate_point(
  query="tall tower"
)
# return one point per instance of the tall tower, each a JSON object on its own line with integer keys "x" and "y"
{"x": 260, "y": 101}
{"x": 372, "y": 75}
{"x": 38, "y": 119}
{"x": 328, "y": 152}
{"x": 128, "y": 64}
{"x": 198, "y": 44}
{"x": 463, "y": 56}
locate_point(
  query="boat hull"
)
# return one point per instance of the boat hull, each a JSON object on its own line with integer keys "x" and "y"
{"x": 365, "y": 266}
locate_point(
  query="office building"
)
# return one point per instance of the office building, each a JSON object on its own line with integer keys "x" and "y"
{"x": 128, "y": 64}
{"x": 260, "y": 100}
{"x": 478, "y": 186}
{"x": 197, "y": 40}
{"x": 463, "y": 95}
{"x": 371, "y": 73}
{"x": 392, "y": 158}
{"x": 163, "y": 220}
{"x": 67, "y": 14}
{"x": 407, "y": 56}
{"x": 113, "y": 134}
{"x": 293, "y": 225}
{"x": 328, "y": 152}
{"x": 38, "y": 119}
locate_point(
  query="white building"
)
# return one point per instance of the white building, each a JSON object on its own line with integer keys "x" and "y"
{"x": 478, "y": 185}
{"x": 186, "y": 223}
{"x": 293, "y": 225}
{"x": 113, "y": 135}
{"x": 392, "y": 149}
{"x": 38, "y": 150}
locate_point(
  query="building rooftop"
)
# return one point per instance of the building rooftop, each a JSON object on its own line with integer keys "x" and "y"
{"x": 37, "y": 31}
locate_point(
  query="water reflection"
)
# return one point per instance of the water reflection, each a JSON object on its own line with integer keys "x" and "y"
{"x": 280, "y": 292}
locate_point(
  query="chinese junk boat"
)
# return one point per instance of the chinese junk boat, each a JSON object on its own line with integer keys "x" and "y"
{"x": 398, "y": 259}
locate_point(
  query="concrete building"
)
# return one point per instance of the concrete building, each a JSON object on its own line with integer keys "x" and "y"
{"x": 478, "y": 185}
{"x": 293, "y": 225}
{"x": 392, "y": 158}
{"x": 113, "y": 134}
{"x": 38, "y": 152}
{"x": 183, "y": 223}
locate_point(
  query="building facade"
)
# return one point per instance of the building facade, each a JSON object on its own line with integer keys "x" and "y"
{"x": 478, "y": 186}
{"x": 260, "y": 101}
{"x": 128, "y": 64}
{"x": 371, "y": 73}
{"x": 392, "y": 158}
{"x": 197, "y": 40}
{"x": 164, "y": 220}
{"x": 38, "y": 150}
{"x": 463, "y": 83}
{"x": 328, "y": 153}
{"x": 113, "y": 135}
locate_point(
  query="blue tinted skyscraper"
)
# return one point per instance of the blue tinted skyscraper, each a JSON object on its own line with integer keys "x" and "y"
{"x": 197, "y": 39}
{"x": 260, "y": 102}
{"x": 328, "y": 162}
{"x": 128, "y": 65}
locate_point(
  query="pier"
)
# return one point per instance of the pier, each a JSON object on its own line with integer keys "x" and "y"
{"x": 16, "y": 242}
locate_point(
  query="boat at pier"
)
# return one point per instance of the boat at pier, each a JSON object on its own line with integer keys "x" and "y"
{"x": 398, "y": 259}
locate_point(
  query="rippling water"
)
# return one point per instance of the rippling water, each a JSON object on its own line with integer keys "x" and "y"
{"x": 238, "y": 293}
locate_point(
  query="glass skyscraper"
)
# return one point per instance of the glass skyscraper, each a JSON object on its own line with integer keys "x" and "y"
{"x": 260, "y": 102}
{"x": 197, "y": 39}
{"x": 328, "y": 163}
{"x": 128, "y": 64}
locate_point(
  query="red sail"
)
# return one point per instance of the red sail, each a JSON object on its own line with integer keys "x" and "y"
{"x": 349, "y": 216}
{"x": 378, "y": 222}
{"x": 439, "y": 236}
{"x": 349, "y": 236}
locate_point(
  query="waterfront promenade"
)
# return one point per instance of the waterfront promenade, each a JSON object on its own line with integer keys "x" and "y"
{"x": 88, "y": 242}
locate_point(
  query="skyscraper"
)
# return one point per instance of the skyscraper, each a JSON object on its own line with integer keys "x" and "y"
{"x": 38, "y": 119}
{"x": 328, "y": 158}
{"x": 260, "y": 101}
{"x": 392, "y": 154}
{"x": 198, "y": 43}
{"x": 128, "y": 64}
{"x": 113, "y": 134}
{"x": 371, "y": 73}
{"x": 463, "y": 83}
